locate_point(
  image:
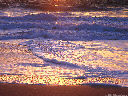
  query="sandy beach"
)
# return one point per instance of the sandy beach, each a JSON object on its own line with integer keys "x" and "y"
{"x": 43, "y": 90}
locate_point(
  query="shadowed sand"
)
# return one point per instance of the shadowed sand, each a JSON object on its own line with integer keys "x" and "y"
{"x": 43, "y": 90}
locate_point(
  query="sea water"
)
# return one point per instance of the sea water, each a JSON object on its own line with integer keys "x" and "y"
{"x": 73, "y": 47}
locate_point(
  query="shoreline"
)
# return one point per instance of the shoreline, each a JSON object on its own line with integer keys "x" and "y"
{"x": 46, "y": 90}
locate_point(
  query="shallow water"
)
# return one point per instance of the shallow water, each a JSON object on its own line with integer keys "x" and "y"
{"x": 72, "y": 47}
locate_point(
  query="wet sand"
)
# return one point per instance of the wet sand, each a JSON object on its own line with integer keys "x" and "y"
{"x": 44, "y": 90}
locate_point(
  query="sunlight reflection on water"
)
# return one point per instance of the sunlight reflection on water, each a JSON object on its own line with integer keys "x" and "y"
{"x": 87, "y": 62}
{"x": 67, "y": 58}
{"x": 15, "y": 12}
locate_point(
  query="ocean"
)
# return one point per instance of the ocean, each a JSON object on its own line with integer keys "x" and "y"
{"x": 64, "y": 47}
